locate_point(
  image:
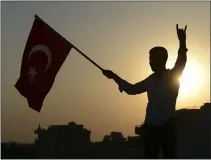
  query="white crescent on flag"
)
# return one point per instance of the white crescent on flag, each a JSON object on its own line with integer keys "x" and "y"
{"x": 45, "y": 49}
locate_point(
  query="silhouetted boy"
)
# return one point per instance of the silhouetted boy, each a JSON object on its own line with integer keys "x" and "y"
{"x": 162, "y": 89}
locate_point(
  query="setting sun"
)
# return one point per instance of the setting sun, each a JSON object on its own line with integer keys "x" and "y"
{"x": 191, "y": 81}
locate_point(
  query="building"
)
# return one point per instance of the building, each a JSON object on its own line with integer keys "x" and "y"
{"x": 62, "y": 141}
{"x": 193, "y": 130}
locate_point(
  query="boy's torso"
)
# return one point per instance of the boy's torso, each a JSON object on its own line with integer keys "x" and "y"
{"x": 162, "y": 94}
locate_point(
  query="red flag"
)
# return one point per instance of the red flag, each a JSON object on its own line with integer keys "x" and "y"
{"x": 44, "y": 54}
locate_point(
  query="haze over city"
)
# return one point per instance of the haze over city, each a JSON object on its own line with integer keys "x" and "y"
{"x": 118, "y": 36}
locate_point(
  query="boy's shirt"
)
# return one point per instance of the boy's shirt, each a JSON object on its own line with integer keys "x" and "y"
{"x": 162, "y": 93}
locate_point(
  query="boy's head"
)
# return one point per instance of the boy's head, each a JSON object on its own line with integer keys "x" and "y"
{"x": 157, "y": 58}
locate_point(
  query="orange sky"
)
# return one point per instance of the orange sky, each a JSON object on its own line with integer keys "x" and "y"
{"x": 118, "y": 36}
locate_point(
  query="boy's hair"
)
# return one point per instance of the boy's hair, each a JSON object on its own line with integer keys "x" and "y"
{"x": 160, "y": 53}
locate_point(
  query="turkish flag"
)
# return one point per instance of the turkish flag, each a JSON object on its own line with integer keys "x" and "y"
{"x": 44, "y": 54}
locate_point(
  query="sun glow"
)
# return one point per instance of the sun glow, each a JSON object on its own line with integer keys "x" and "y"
{"x": 191, "y": 81}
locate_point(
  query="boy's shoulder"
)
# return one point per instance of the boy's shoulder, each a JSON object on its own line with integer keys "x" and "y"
{"x": 168, "y": 72}
{"x": 149, "y": 77}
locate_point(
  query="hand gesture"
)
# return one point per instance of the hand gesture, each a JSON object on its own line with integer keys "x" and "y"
{"x": 109, "y": 74}
{"x": 181, "y": 33}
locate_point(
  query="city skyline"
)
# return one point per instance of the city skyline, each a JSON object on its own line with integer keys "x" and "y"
{"x": 111, "y": 33}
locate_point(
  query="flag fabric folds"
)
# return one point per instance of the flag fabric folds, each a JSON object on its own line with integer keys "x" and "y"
{"x": 44, "y": 54}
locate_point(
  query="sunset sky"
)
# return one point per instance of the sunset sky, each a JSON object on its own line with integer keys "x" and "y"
{"x": 118, "y": 36}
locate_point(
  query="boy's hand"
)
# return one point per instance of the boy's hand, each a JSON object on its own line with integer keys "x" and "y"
{"x": 120, "y": 89}
{"x": 181, "y": 33}
{"x": 108, "y": 73}
{"x": 111, "y": 75}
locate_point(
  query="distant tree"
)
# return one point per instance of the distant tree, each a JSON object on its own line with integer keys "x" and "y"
{"x": 107, "y": 138}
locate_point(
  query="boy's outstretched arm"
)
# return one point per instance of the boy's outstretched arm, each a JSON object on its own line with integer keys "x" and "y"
{"x": 182, "y": 52}
{"x": 129, "y": 88}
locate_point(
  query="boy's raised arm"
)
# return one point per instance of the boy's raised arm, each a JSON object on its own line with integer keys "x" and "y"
{"x": 182, "y": 56}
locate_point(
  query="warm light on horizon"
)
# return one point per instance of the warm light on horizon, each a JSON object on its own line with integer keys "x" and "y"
{"x": 118, "y": 37}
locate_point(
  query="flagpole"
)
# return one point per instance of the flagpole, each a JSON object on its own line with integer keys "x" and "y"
{"x": 37, "y": 17}
{"x": 87, "y": 58}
